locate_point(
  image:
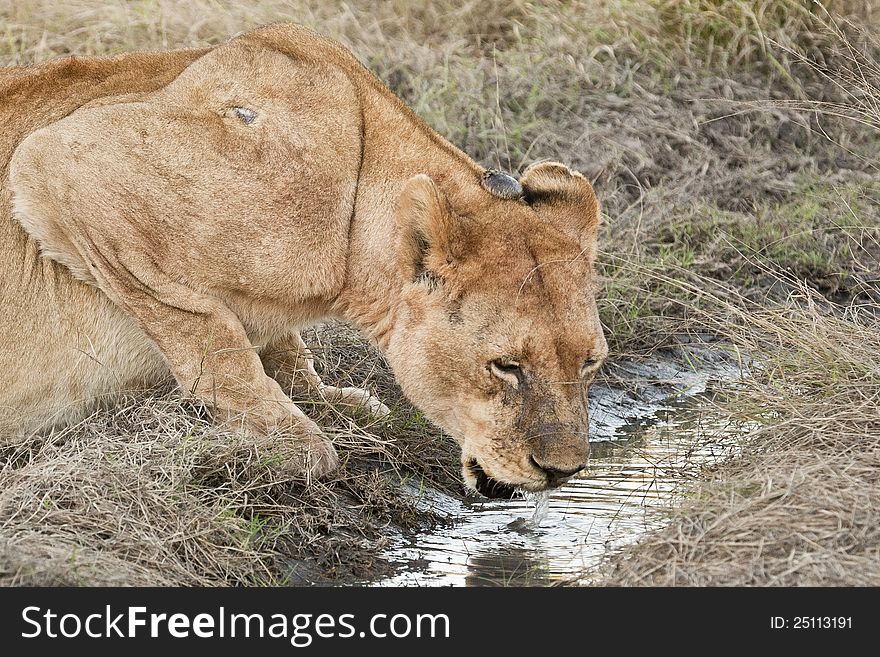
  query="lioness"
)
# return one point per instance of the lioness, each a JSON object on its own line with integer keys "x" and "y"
{"x": 191, "y": 211}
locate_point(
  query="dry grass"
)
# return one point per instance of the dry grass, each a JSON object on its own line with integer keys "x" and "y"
{"x": 720, "y": 137}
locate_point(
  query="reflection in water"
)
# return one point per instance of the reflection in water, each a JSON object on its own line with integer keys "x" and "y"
{"x": 507, "y": 566}
{"x": 631, "y": 475}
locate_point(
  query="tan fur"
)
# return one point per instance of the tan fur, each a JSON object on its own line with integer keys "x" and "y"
{"x": 152, "y": 225}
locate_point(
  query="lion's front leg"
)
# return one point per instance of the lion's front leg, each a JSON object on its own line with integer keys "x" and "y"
{"x": 209, "y": 353}
{"x": 292, "y": 365}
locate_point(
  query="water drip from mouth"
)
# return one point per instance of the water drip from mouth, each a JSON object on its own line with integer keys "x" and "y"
{"x": 541, "y": 501}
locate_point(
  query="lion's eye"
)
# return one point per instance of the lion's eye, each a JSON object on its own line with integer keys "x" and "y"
{"x": 506, "y": 370}
{"x": 590, "y": 366}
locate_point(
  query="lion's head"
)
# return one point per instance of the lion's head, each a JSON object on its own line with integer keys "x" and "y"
{"x": 498, "y": 336}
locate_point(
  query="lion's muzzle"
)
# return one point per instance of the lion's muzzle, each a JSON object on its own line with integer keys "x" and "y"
{"x": 557, "y": 476}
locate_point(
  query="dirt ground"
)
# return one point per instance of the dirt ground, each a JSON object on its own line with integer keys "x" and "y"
{"x": 732, "y": 145}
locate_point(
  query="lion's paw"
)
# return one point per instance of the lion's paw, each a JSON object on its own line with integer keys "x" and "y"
{"x": 357, "y": 400}
{"x": 320, "y": 457}
{"x": 304, "y": 448}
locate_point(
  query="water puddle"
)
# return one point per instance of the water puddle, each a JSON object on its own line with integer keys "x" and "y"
{"x": 652, "y": 431}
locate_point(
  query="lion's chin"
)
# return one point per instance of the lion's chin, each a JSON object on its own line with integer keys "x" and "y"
{"x": 488, "y": 487}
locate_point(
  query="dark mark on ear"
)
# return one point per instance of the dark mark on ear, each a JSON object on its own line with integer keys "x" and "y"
{"x": 246, "y": 115}
{"x": 502, "y": 184}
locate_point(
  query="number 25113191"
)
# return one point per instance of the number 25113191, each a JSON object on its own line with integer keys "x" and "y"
{"x": 811, "y": 623}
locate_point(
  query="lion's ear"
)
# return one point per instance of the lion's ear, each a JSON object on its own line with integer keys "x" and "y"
{"x": 565, "y": 195}
{"x": 424, "y": 223}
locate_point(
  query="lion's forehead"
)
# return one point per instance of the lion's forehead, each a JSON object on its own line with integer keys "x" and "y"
{"x": 561, "y": 290}
{"x": 516, "y": 236}
{"x": 547, "y": 332}
{"x": 529, "y": 290}
{"x": 523, "y": 268}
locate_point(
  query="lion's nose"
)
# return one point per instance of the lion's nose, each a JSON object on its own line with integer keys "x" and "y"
{"x": 554, "y": 473}
{"x": 559, "y": 451}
